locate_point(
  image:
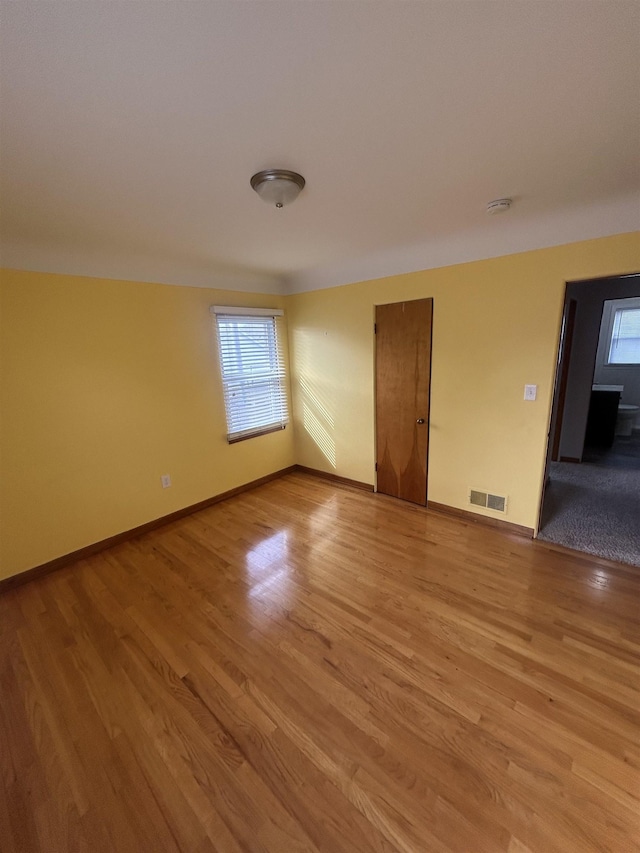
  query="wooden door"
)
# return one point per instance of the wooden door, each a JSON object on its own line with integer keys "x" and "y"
{"x": 403, "y": 377}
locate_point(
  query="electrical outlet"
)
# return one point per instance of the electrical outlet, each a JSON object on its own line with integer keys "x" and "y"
{"x": 530, "y": 392}
{"x": 165, "y": 480}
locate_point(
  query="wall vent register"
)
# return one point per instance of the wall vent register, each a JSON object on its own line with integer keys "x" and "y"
{"x": 487, "y": 500}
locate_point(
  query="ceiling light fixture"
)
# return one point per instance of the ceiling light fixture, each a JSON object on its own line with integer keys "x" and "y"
{"x": 500, "y": 205}
{"x": 277, "y": 186}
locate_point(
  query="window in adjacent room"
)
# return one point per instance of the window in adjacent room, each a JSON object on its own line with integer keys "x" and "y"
{"x": 253, "y": 373}
{"x": 624, "y": 341}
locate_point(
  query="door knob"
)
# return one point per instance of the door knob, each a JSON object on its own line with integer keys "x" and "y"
{"x": 420, "y": 421}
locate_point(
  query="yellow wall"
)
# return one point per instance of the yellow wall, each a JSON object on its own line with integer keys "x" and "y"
{"x": 496, "y": 326}
{"x": 106, "y": 385}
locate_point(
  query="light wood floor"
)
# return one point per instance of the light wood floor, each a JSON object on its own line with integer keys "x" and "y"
{"x": 307, "y": 667}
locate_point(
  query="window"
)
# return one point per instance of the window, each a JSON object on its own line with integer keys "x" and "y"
{"x": 624, "y": 346}
{"x": 253, "y": 375}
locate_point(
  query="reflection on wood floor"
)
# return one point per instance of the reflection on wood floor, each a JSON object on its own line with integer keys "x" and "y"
{"x": 307, "y": 667}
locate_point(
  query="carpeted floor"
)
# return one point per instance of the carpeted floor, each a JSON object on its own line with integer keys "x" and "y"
{"x": 595, "y": 506}
{"x": 625, "y": 453}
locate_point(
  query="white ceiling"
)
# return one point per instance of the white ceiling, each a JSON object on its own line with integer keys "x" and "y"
{"x": 130, "y": 131}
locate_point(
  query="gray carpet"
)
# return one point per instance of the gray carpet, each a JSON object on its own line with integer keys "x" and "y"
{"x": 624, "y": 453}
{"x": 594, "y": 508}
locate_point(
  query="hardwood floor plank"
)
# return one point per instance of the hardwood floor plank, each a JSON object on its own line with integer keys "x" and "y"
{"x": 289, "y": 773}
{"x": 19, "y": 759}
{"x": 310, "y": 668}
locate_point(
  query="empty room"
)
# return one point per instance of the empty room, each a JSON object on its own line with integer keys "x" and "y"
{"x": 286, "y": 307}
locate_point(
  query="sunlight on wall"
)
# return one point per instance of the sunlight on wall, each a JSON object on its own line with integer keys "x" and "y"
{"x": 318, "y": 404}
{"x": 318, "y": 432}
{"x": 317, "y": 407}
{"x": 495, "y": 328}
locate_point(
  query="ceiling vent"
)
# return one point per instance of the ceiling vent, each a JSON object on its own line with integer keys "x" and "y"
{"x": 487, "y": 500}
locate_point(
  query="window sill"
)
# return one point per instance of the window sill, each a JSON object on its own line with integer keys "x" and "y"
{"x": 265, "y": 431}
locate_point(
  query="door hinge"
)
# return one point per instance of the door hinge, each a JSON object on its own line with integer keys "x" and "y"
{"x": 375, "y": 328}
{"x": 376, "y": 466}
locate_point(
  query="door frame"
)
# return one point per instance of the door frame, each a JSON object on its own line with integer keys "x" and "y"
{"x": 561, "y": 378}
{"x": 562, "y": 342}
{"x": 562, "y": 373}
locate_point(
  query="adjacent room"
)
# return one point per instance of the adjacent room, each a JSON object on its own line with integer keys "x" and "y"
{"x": 285, "y": 299}
{"x": 592, "y": 494}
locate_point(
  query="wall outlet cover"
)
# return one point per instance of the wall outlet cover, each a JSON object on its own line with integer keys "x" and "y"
{"x": 165, "y": 479}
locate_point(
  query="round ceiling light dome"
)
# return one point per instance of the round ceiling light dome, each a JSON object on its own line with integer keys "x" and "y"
{"x": 277, "y": 186}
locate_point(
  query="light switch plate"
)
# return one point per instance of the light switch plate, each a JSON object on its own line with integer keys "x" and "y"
{"x": 530, "y": 392}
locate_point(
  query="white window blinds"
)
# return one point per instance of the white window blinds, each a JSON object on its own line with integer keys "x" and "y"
{"x": 625, "y": 337}
{"x": 253, "y": 374}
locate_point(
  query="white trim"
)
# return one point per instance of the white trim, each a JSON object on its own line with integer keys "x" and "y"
{"x": 611, "y": 307}
{"x": 230, "y": 310}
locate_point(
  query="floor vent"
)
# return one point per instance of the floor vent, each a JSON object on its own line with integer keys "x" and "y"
{"x": 495, "y": 502}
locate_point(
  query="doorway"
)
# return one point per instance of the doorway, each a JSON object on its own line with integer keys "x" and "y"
{"x": 591, "y": 499}
{"x": 403, "y": 383}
